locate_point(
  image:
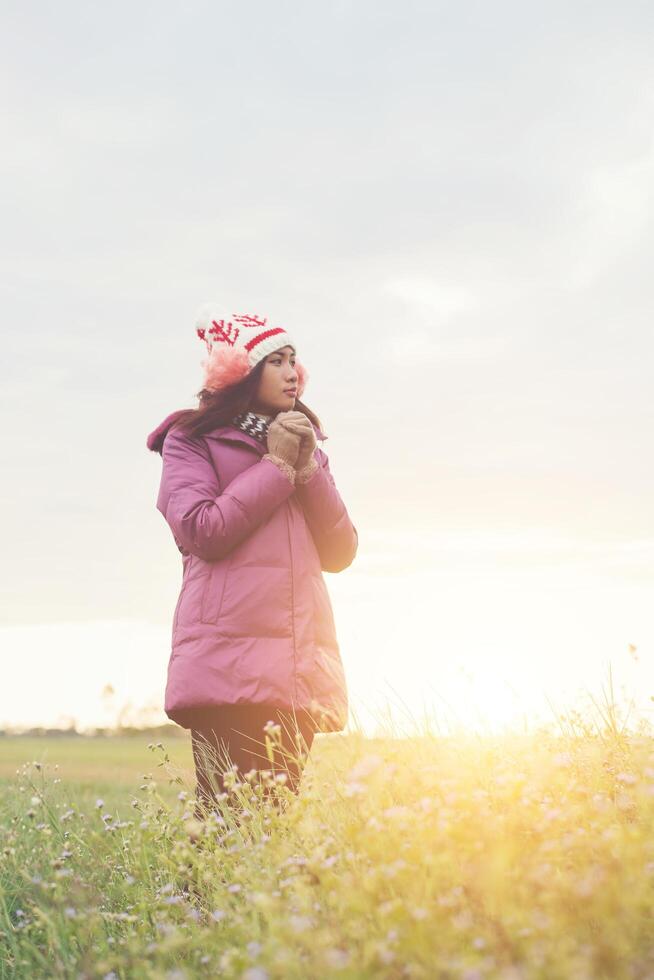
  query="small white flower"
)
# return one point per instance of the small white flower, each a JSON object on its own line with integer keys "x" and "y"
{"x": 300, "y": 923}
{"x": 385, "y": 954}
{"x": 255, "y": 973}
{"x": 337, "y": 957}
{"x": 364, "y": 767}
{"x": 399, "y": 811}
{"x": 626, "y": 777}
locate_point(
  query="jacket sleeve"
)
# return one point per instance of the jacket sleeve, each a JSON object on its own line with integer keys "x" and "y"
{"x": 333, "y": 532}
{"x": 204, "y": 521}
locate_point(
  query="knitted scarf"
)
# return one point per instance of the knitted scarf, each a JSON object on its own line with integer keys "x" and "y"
{"x": 254, "y": 424}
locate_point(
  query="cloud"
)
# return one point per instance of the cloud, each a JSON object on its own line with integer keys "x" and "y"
{"x": 389, "y": 551}
{"x": 439, "y": 301}
{"x": 420, "y": 347}
{"x": 433, "y": 311}
{"x": 616, "y": 210}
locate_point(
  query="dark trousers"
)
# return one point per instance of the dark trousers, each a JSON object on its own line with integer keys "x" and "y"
{"x": 234, "y": 735}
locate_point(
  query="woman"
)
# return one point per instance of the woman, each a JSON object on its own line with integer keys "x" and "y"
{"x": 255, "y": 512}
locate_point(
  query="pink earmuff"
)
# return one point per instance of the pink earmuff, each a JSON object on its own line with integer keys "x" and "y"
{"x": 225, "y": 366}
{"x": 302, "y": 378}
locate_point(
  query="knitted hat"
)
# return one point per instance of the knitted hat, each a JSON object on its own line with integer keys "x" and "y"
{"x": 236, "y": 344}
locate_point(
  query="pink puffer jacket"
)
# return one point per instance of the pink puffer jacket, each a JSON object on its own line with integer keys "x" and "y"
{"x": 253, "y": 623}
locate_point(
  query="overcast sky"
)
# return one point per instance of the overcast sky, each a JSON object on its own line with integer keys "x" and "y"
{"x": 449, "y": 206}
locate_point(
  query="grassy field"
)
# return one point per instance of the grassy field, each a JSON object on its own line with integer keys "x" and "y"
{"x": 463, "y": 857}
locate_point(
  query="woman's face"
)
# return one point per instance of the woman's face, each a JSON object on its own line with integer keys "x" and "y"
{"x": 277, "y": 389}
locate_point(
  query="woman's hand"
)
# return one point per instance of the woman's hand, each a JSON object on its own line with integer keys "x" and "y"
{"x": 298, "y": 423}
{"x": 283, "y": 442}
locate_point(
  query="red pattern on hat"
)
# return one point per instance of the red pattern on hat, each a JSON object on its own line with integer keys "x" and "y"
{"x": 230, "y": 356}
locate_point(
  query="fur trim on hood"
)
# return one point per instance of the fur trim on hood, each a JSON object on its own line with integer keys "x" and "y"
{"x": 156, "y": 438}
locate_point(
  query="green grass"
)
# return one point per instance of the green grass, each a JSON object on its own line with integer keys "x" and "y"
{"x": 104, "y": 766}
{"x": 513, "y": 856}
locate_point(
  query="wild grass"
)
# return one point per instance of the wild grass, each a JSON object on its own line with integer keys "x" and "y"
{"x": 512, "y": 856}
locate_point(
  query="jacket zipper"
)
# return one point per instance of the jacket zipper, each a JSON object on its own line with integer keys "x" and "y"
{"x": 290, "y": 551}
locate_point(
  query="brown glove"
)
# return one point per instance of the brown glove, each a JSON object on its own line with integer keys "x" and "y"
{"x": 283, "y": 443}
{"x": 306, "y": 464}
{"x": 283, "y": 448}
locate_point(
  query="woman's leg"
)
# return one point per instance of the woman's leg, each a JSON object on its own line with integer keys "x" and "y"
{"x": 217, "y": 746}
{"x": 236, "y": 735}
{"x": 297, "y": 730}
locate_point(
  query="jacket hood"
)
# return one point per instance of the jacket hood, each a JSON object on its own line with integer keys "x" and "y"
{"x": 156, "y": 438}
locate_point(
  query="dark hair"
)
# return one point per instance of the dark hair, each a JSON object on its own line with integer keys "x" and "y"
{"x": 218, "y": 408}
